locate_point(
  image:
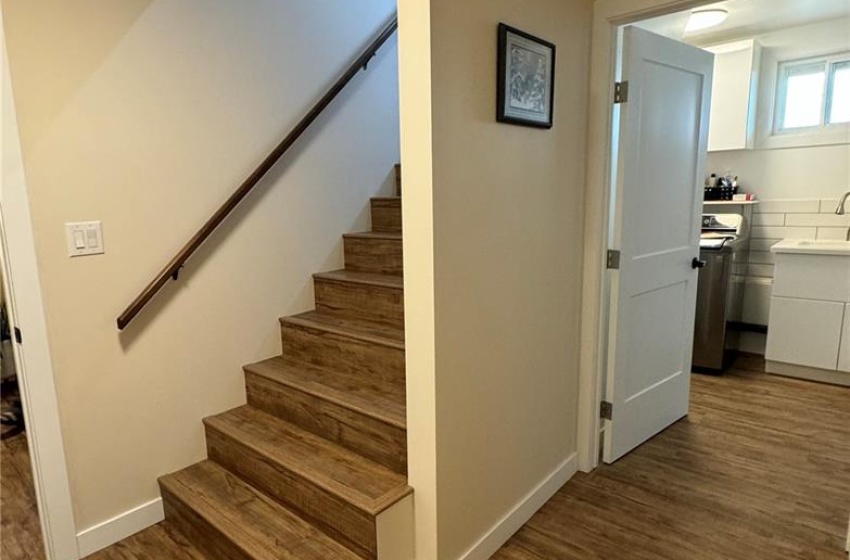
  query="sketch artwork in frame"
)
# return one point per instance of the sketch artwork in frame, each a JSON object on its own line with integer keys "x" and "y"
{"x": 526, "y": 73}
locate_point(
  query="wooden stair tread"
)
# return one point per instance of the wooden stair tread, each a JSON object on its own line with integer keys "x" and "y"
{"x": 385, "y": 235}
{"x": 366, "y": 331}
{"x": 371, "y": 397}
{"x": 364, "y": 484}
{"x": 387, "y": 199}
{"x": 256, "y": 524}
{"x": 358, "y": 277}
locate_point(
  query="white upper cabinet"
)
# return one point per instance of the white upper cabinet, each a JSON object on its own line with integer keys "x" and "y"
{"x": 733, "y": 96}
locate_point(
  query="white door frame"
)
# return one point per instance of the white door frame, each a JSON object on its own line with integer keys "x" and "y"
{"x": 32, "y": 358}
{"x": 608, "y": 15}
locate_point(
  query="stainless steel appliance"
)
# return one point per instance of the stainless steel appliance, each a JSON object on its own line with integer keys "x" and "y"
{"x": 724, "y": 244}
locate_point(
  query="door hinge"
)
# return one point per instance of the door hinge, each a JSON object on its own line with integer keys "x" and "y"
{"x": 18, "y": 336}
{"x": 621, "y": 92}
{"x": 613, "y": 259}
{"x": 606, "y": 410}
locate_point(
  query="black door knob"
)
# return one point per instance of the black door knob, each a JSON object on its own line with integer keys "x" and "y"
{"x": 696, "y": 263}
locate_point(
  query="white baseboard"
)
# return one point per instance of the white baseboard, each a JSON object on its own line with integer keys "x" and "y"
{"x": 832, "y": 377}
{"x": 522, "y": 511}
{"x": 119, "y": 527}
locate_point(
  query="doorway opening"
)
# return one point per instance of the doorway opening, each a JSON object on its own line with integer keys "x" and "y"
{"x": 22, "y": 536}
{"x": 751, "y": 139}
{"x": 758, "y": 106}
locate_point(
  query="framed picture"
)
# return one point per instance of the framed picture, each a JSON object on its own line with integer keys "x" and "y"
{"x": 526, "y": 74}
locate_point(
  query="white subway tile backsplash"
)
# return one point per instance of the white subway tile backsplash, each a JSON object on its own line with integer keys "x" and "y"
{"x": 761, "y": 270}
{"x": 803, "y": 206}
{"x": 761, "y": 257}
{"x": 832, "y": 233}
{"x": 818, "y": 220}
{"x": 776, "y": 232}
{"x": 828, "y": 206}
{"x": 769, "y": 219}
{"x": 763, "y": 244}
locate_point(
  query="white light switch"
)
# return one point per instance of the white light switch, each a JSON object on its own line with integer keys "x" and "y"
{"x": 84, "y": 238}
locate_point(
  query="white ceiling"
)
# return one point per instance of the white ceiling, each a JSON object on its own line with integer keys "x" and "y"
{"x": 748, "y": 18}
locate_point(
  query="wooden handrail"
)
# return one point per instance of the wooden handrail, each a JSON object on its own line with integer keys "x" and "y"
{"x": 173, "y": 267}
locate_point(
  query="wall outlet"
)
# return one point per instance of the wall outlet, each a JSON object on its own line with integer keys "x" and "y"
{"x": 84, "y": 238}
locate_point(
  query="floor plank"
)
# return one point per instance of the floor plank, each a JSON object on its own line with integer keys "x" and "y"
{"x": 759, "y": 470}
{"x": 20, "y": 533}
{"x": 160, "y": 542}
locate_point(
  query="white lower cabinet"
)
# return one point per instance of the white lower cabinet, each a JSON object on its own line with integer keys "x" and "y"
{"x": 807, "y": 332}
{"x": 844, "y": 353}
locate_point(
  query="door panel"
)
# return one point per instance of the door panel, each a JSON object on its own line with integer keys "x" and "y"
{"x": 660, "y": 172}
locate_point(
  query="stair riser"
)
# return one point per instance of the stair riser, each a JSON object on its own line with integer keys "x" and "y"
{"x": 202, "y": 534}
{"x": 374, "y": 439}
{"x": 345, "y": 523}
{"x": 342, "y": 353}
{"x": 386, "y": 216}
{"x": 373, "y": 255}
{"x": 360, "y": 301}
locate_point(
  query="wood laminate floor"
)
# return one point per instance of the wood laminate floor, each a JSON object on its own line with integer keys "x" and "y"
{"x": 20, "y": 534}
{"x": 760, "y": 470}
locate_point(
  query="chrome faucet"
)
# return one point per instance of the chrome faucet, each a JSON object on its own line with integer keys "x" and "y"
{"x": 841, "y": 210}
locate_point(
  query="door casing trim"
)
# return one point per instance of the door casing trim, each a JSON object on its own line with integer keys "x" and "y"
{"x": 608, "y": 15}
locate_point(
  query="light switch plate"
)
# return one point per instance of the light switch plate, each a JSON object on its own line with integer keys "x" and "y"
{"x": 84, "y": 238}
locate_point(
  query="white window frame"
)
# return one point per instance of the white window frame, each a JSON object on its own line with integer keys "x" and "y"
{"x": 828, "y": 63}
{"x": 830, "y": 87}
{"x": 822, "y": 46}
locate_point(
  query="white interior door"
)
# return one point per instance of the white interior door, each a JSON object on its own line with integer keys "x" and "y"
{"x": 658, "y": 205}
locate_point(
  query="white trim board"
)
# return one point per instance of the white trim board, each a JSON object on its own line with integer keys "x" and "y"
{"x": 504, "y": 529}
{"x": 833, "y": 377}
{"x": 120, "y": 527}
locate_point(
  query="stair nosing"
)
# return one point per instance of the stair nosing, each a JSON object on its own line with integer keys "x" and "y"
{"x": 172, "y": 479}
{"x": 206, "y": 518}
{"x": 375, "y": 506}
{"x": 383, "y": 235}
{"x": 257, "y": 368}
{"x": 301, "y": 320}
{"x": 329, "y": 276}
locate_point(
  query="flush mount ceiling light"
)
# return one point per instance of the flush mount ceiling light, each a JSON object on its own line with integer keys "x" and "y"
{"x": 703, "y": 19}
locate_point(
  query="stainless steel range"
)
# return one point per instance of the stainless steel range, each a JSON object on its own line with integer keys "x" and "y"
{"x": 724, "y": 244}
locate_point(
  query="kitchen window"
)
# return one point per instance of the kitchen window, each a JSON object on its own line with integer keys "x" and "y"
{"x": 812, "y": 94}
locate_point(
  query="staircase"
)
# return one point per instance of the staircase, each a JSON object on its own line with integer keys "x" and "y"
{"x": 314, "y": 466}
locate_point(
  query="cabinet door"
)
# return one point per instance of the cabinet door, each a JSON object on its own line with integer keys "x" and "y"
{"x": 844, "y": 354}
{"x": 733, "y": 96}
{"x": 805, "y": 332}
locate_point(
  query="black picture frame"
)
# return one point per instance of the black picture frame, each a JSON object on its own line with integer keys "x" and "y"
{"x": 525, "y": 90}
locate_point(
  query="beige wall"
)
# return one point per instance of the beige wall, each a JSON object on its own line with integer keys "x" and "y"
{"x": 506, "y": 251}
{"x": 145, "y": 115}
